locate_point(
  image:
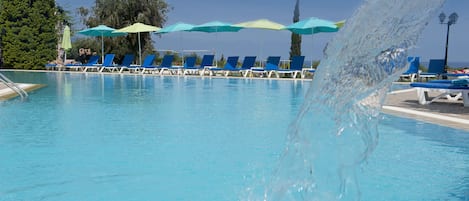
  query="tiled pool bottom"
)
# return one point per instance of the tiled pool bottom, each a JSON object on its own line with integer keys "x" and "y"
{"x": 105, "y": 137}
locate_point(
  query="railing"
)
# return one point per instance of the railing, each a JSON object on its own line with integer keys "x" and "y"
{"x": 13, "y": 86}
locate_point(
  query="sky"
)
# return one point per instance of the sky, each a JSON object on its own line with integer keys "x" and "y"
{"x": 262, "y": 43}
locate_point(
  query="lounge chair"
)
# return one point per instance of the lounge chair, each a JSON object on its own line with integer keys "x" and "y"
{"x": 177, "y": 69}
{"x": 126, "y": 62}
{"x": 449, "y": 89}
{"x": 460, "y": 73}
{"x": 296, "y": 66}
{"x": 51, "y": 66}
{"x": 189, "y": 62}
{"x": 305, "y": 71}
{"x": 207, "y": 60}
{"x": 457, "y": 75}
{"x": 91, "y": 62}
{"x": 271, "y": 65}
{"x": 412, "y": 72}
{"x": 308, "y": 70}
{"x": 108, "y": 62}
{"x": 167, "y": 62}
{"x": 246, "y": 66}
{"x": 436, "y": 67}
{"x": 231, "y": 63}
{"x": 148, "y": 61}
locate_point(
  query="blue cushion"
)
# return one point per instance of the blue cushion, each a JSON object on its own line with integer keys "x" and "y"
{"x": 460, "y": 82}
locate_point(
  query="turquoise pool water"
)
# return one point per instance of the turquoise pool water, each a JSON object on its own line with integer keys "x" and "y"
{"x": 115, "y": 137}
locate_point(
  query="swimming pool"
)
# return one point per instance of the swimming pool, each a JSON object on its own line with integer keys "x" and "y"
{"x": 133, "y": 137}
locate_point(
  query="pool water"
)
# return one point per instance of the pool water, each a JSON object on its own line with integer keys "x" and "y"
{"x": 133, "y": 137}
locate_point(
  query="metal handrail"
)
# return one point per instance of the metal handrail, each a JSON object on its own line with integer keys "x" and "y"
{"x": 13, "y": 86}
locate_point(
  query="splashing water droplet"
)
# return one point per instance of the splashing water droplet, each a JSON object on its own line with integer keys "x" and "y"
{"x": 336, "y": 129}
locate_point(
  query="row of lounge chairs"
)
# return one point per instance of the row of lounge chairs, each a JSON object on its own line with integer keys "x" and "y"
{"x": 436, "y": 70}
{"x": 247, "y": 67}
{"x": 452, "y": 90}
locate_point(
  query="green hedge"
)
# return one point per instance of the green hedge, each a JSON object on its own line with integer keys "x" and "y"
{"x": 28, "y": 34}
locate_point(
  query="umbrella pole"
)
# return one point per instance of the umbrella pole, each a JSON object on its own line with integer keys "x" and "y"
{"x": 102, "y": 48}
{"x": 181, "y": 49}
{"x": 214, "y": 49}
{"x": 139, "y": 49}
{"x": 261, "y": 52}
{"x": 312, "y": 49}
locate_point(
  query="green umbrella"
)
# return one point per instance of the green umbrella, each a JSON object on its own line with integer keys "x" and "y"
{"x": 312, "y": 26}
{"x": 261, "y": 24}
{"x": 66, "y": 42}
{"x": 340, "y": 24}
{"x": 138, "y": 28}
{"x": 101, "y": 30}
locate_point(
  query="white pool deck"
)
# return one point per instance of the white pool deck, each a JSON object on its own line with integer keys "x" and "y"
{"x": 402, "y": 103}
{"x": 443, "y": 112}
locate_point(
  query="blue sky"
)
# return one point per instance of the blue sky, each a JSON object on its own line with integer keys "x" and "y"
{"x": 263, "y": 43}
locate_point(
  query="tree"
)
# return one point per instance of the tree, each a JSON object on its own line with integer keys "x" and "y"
{"x": 295, "y": 48}
{"x": 121, "y": 13}
{"x": 28, "y": 33}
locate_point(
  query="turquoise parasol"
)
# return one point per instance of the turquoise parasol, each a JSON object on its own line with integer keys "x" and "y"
{"x": 101, "y": 30}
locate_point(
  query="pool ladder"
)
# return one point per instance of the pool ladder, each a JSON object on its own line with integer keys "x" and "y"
{"x": 13, "y": 86}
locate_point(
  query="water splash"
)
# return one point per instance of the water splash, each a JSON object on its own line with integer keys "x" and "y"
{"x": 337, "y": 127}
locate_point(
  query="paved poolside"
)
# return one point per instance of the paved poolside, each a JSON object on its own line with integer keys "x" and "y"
{"x": 402, "y": 103}
{"x": 443, "y": 112}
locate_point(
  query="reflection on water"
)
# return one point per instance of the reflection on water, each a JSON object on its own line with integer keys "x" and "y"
{"x": 198, "y": 140}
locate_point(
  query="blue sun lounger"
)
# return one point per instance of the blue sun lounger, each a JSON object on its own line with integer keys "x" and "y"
{"x": 272, "y": 64}
{"x": 457, "y": 74}
{"x": 436, "y": 67}
{"x": 305, "y": 71}
{"x": 148, "y": 61}
{"x": 189, "y": 62}
{"x": 451, "y": 90}
{"x": 246, "y": 66}
{"x": 309, "y": 70}
{"x": 231, "y": 63}
{"x": 296, "y": 66}
{"x": 126, "y": 62}
{"x": 207, "y": 60}
{"x": 108, "y": 62}
{"x": 51, "y": 66}
{"x": 412, "y": 72}
{"x": 91, "y": 62}
{"x": 167, "y": 62}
